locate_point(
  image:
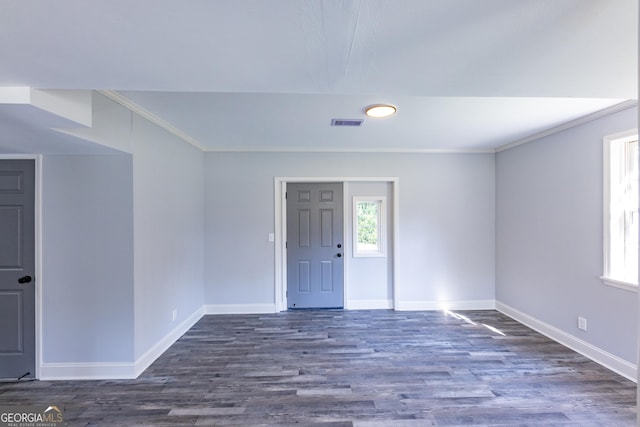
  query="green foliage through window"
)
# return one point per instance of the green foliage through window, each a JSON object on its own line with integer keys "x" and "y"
{"x": 369, "y": 226}
{"x": 368, "y": 223}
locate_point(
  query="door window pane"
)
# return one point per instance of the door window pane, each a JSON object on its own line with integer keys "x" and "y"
{"x": 369, "y": 226}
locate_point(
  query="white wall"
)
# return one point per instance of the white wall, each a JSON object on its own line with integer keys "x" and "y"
{"x": 549, "y": 236}
{"x": 370, "y": 279}
{"x": 123, "y": 248}
{"x": 168, "y": 191}
{"x": 110, "y": 125}
{"x": 87, "y": 265}
{"x": 446, "y": 222}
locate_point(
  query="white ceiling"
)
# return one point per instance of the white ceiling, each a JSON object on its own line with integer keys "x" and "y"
{"x": 466, "y": 75}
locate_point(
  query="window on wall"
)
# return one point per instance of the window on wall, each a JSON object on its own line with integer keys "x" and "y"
{"x": 621, "y": 210}
{"x": 369, "y": 227}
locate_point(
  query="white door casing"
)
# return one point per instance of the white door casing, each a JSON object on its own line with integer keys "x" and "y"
{"x": 280, "y": 282}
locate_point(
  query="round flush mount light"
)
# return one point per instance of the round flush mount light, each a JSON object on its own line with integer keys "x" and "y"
{"x": 379, "y": 111}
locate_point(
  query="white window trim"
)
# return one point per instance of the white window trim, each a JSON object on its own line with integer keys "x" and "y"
{"x": 382, "y": 227}
{"x": 632, "y": 287}
{"x": 607, "y": 280}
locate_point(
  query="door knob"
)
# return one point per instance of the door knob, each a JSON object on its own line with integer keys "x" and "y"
{"x": 339, "y": 255}
{"x": 25, "y": 279}
{"x": 339, "y": 245}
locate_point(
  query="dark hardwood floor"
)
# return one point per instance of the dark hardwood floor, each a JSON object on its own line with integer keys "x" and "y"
{"x": 351, "y": 368}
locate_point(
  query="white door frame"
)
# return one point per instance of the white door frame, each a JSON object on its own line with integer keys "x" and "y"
{"x": 38, "y": 249}
{"x": 280, "y": 203}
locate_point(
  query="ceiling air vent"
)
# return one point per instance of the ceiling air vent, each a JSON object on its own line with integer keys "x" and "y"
{"x": 346, "y": 122}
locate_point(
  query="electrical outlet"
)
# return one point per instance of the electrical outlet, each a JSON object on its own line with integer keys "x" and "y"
{"x": 174, "y": 314}
{"x": 582, "y": 323}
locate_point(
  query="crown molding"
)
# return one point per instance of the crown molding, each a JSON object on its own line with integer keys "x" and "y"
{"x": 141, "y": 111}
{"x": 135, "y": 108}
{"x": 351, "y": 150}
{"x": 625, "y": 105}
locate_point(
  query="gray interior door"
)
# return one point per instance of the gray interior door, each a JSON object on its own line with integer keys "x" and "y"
{"x": 315, "y": 277}
{"x": 17, "y": 266}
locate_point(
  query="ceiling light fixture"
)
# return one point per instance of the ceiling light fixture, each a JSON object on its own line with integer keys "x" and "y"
{"x": 379, "y": 111}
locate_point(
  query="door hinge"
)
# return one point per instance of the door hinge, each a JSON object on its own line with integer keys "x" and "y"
{"x": 286, "y": 194}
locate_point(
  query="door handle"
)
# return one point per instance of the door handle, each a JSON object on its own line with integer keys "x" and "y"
{"x": 25, "y": 279}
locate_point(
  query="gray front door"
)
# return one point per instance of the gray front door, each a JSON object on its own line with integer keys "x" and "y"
{"x": 315, "y": 277}
{"x": 17, "y": 266}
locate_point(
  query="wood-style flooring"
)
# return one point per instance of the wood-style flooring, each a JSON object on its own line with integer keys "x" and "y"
{"x": 351, "y": 368}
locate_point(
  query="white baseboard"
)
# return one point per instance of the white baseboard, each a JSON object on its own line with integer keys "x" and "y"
{"x": 144, "y": 361}
{"x": 602, "y": 357}
{"x": 445, "y": 305}
{"x": 369, "y": 304}
{"x": 239, "y": 308}
{"x": 87, "y": 371}
{"x": 125, "y": 370}
{"x": 116, "y": 370}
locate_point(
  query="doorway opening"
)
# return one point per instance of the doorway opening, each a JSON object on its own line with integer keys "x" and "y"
{"x": 281, "y": 261}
